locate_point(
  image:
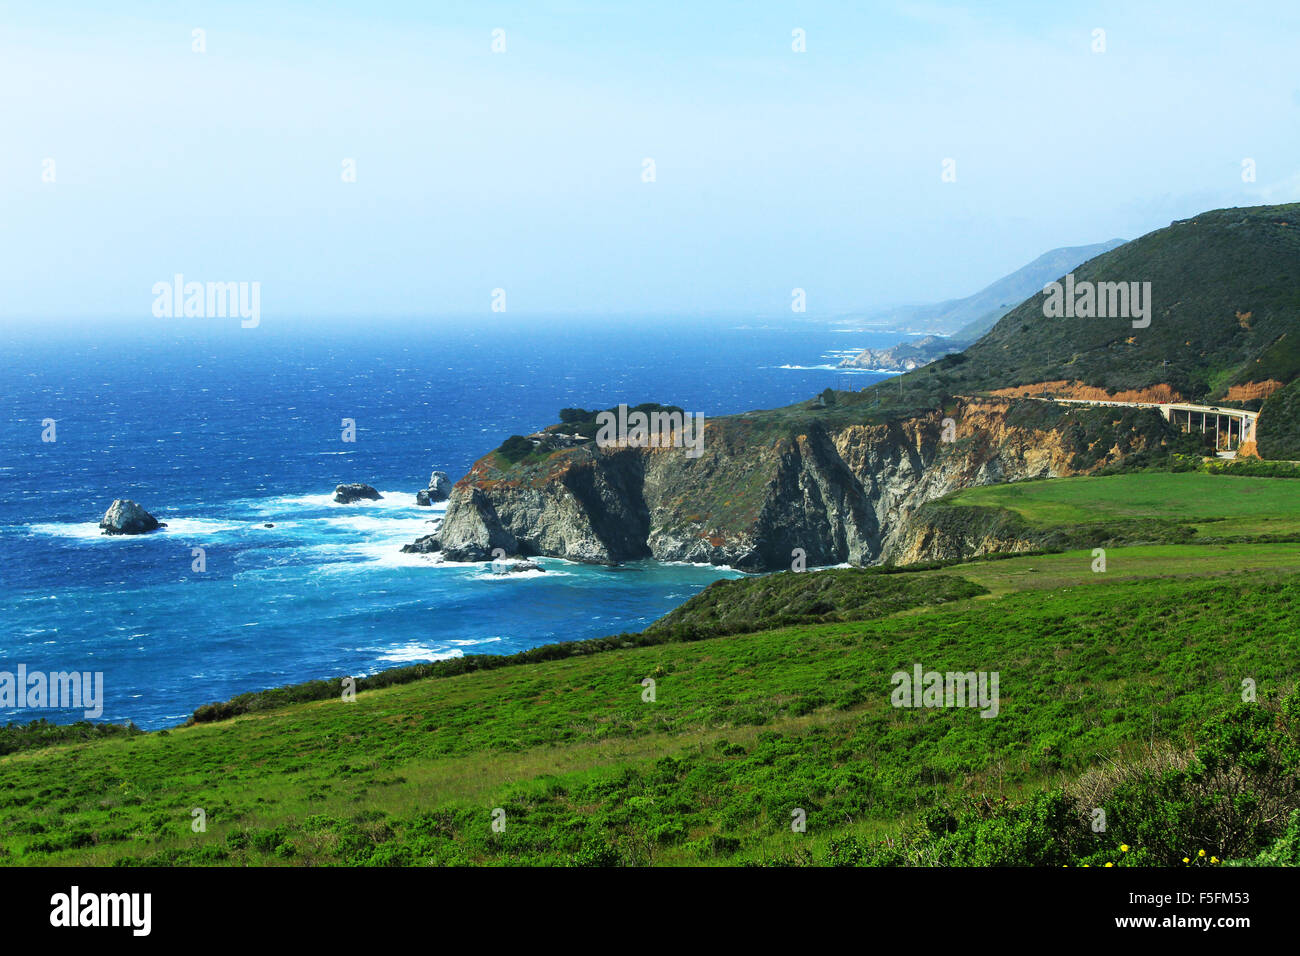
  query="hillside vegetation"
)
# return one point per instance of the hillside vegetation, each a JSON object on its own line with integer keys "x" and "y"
{"x": 780, "y": 600}
{"x": 1121, "y": 690}
{"x": 1226, "y": 292}
{"x": 1279, "y": 423}
{"x": 1148, "y": 506}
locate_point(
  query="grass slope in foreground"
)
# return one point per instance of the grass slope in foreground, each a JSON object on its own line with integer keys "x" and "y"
{"x": 1120, "y": 690}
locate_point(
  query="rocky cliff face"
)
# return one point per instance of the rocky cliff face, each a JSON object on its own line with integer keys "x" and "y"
{"x": 913, "y": 465}
{"x": 959, "y": 534}
{"x": 903, "y": 357}
{"x": 764, "y": 490}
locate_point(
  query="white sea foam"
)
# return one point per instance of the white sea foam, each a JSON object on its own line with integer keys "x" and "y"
{"x": 372, "y": 531}
{"x": 87, "y": 530}
{"x": 827, "y": 368}
{"x": 437, "y": 560}
{"x": 721, "y": 568}
{"x": 491, "y": 575}
{"x": 414, "y": 652}
{"x": 90, "y": 530}
{"x": 372, "y": 556}
{"x": 284, "y": 503}
{"x": 391, "y": 501}
{"x": 377, "y": 524}
{"x": 196, "y": 526}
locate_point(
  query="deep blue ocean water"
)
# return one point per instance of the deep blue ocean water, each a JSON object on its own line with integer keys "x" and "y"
{"x": 218, "y": 430}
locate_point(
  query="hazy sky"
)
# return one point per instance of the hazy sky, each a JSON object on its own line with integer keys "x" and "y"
{"x": 523, "y": 169}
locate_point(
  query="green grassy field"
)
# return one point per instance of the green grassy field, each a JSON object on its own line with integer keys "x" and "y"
{"x": 1217, "y": 506}
{"x": 1073, "y": 569}
{"x": 1097, "y": 671}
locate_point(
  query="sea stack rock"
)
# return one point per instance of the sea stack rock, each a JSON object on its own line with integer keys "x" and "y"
{"x": 439, "y": 489}
{"x": 439, "y": 486}
{"x": 124, "y": 516}
{"x": 346, "y": 494}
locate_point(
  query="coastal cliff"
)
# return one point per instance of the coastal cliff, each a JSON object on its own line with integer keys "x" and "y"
{"x": 845, "y": 477}
{"x": 768, "y": 486}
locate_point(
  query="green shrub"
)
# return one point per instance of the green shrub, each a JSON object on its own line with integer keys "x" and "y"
{"x": 41, "y": 733}
{"x": 595, "y": 852}
{"x": 1237, "y": 796}
{"x": 516, "y": 448}
{"x": 1286, "y": 850}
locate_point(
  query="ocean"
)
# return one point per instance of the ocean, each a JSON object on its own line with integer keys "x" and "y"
{"x": 219, "y": 431}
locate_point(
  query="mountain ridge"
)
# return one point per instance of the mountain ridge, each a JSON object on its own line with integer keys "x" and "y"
{"x": 962, "y": 316}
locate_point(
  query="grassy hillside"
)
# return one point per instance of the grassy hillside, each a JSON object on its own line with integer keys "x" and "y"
{"x": 742, "y": 731}
{"x": 1120, "y": 690}
{"x": 1279, "y": 423}
{"x": 989, "y": 305}
{"x": 1212, "y": 506}
{"x": 1226, "y": 292}
{"x": 779, "y": 600}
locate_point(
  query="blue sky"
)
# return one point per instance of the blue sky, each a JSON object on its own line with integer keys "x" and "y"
{"x": 522, "y": 170}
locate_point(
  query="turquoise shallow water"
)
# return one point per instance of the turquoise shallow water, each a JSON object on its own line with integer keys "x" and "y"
{"x": 219, "y": 432}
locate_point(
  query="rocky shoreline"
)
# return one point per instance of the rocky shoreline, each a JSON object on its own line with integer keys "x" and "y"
{"x": 903, "y": 357}
{"x": 755, "y": 500}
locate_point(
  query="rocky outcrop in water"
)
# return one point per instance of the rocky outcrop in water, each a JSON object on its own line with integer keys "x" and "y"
{"x": 769, "y": 490}
{"x": 346, "y": 494}
{"x": 439, "y": 489}
{"x": 427, "y": 544}
{"x": 517, "y": 567}
{"x": 439, "y": 486}
{"x": 124, "y": 516}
